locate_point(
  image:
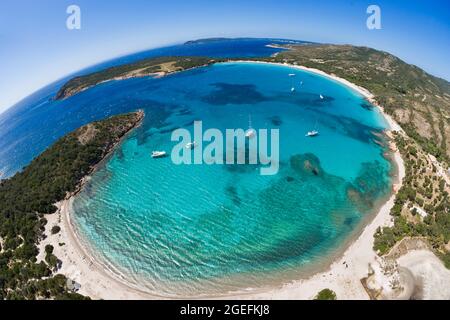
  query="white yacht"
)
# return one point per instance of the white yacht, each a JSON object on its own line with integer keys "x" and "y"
{"x": 292, "y": 89}
{"x": 291, "y": 74}
{"x": 158, "y": 154}
{"x": 321, "y": 97}
{"x": 191, "y": 145}
{"x": 312, "y": 133}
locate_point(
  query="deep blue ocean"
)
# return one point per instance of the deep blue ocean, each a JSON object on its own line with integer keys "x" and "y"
{"x": 196, "y": 229}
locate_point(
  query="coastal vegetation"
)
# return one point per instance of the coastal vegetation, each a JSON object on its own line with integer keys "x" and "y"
{"x": 422, "y": 205}
{"x": 28, "y": 196}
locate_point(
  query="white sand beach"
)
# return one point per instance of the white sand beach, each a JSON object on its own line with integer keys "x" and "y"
{"x": 78, "y": 264}
{"x": 343, "y": 275}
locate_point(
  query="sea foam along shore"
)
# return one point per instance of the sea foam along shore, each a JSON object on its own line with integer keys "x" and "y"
{"x": 343, "y": 275}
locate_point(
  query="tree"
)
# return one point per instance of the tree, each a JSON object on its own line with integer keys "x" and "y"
{"x": 56, "y": 229}
{"x": 49, "y": 249}
{"x": 326, "y": 294}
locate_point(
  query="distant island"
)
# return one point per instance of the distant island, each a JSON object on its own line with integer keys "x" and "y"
{"x": 206, "y": 40}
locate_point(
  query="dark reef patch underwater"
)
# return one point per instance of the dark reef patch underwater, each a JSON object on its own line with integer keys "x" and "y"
{"x": 226, "y": 93}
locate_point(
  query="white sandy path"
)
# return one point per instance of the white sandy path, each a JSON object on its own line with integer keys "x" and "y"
{"x": 97, "y": 282}
{"x": 430, "y": 272}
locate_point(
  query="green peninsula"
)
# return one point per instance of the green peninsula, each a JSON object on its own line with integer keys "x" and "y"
{"x": 148, "y": 67}
{"x": 30, "y": 194}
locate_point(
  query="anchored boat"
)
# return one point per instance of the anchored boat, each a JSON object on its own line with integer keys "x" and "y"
{"x": 250, "y": 133}
{"x": 191, "y": 145}
{"x": 159, "y": 154}
{"x": 312, "y": 133}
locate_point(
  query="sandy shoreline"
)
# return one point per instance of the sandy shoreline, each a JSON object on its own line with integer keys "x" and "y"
{"x": 343, "y": 275}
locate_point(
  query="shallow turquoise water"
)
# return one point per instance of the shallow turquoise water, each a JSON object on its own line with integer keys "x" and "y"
{"x": 191, "y": 229}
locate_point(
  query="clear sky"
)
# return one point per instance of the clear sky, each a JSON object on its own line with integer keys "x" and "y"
{"x": 36, "y": 48}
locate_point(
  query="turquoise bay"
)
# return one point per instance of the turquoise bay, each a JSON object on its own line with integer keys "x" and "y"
{"x": 209, "y": 229}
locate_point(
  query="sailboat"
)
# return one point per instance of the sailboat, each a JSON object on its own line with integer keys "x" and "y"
{"x": 191, "y": 145}
{"x": 159, "y": 154}
{"x": 312, "y": 133}
{"x": 250, "y": 133}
